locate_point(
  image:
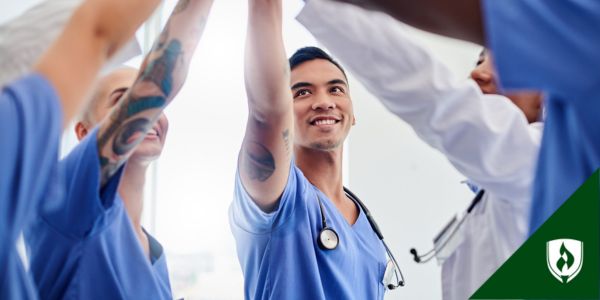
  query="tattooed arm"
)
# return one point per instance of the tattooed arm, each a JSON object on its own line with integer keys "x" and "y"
{"x": 265, "y": 156}
{"x": 161, "y": 76}
{"x": 97, "y": 29}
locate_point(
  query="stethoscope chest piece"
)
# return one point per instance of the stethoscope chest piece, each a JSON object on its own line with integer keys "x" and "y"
{"x": 328, "y": 239}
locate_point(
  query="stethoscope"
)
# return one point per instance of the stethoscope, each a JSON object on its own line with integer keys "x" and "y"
{"x": 328, "y": 238}
{"x": 432, "y": 253}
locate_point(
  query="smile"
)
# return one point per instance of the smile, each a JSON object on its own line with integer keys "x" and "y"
{"x": 153, "y": 133}
{"x": 324, "y": 120}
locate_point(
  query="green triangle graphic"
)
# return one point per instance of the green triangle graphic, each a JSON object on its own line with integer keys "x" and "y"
{"x": 527, "y": 273}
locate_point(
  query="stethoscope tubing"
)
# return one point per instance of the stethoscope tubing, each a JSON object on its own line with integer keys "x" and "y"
{"x": 374, "y": 226}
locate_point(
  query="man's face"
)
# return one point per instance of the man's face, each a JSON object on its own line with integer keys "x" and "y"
{"x": 109, "y": 91}
{"x": 529, "y": 102}
{"x": 322, "y": 106}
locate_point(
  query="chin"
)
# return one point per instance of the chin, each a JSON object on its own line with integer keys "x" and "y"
{"x": 325, "y": 145}
{"x": 147, "y": 153}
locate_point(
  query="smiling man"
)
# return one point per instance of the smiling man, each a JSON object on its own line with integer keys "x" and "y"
{"x": 89, "y": 242}
{"x": 289, "y": 184}
{"x": 110, "y": 90}
{"x": 492, "y": 138}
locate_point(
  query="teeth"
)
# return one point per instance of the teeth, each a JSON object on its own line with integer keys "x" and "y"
{"x": 325, "y": 122}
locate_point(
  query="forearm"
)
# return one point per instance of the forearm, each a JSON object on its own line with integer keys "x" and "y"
{"x": 266, "y": 66}
{"x": 161, "y": 77}
{"x": 108, "y": 16}
{"x": 90, "y": 38}
{"x": 457, "y": 19}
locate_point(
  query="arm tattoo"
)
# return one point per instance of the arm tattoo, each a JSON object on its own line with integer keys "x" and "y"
{"x": 160, "y": 71}
{"x": 286, "y": 140}
{"x": 126, "y": 130}
{"x": 163, "y": 73}
{"x": 122, "y": 132}
{"x": 181, "y": 6}
{"x": 258, "y": 161}
{"x": 122, "y": 141}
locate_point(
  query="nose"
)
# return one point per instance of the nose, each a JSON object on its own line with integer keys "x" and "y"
{"x": 323, "y": 102}
{"x": 480, "y": 75}
{"x": 484, "y": 80}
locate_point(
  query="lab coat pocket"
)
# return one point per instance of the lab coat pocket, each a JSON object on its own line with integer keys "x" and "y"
{"x": 384, "y": 276}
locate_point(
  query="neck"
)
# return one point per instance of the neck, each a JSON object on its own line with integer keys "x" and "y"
{"x": 323, "y": 169}
{"x": 131, "y": 191}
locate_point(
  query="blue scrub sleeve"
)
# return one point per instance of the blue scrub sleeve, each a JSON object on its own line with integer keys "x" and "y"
{"x": 30, "y": 128}
{"x": 18, "y": 285}
{"x": 79, "y": 212}
{"x": 247, "y": 216}
{"x": 545, "y": 45}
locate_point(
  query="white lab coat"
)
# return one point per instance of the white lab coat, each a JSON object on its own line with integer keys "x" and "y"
{"x": 25, "y": 38}
{"x": 486, "y": 137}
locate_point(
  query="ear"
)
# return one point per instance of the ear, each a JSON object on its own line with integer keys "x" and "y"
{"x": 353, "y": 120}
{"x": 80, "y": 130}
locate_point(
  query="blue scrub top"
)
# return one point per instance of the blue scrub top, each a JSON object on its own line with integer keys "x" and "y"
{"x": 31, "y": 123}
{"x": 553, "y": 46}
{"x": 280, "y": 257}
{"x": 83, "y": 245}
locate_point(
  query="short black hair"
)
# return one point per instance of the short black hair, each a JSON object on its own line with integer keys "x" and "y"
{"x": 305, "y": 54}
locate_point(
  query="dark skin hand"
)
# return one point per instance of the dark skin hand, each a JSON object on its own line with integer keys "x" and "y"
{"x": 460, "y": 19}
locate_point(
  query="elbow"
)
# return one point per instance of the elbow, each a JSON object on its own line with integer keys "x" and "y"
{"x": 266, "y": 113}
{"x": 100, "y": 20}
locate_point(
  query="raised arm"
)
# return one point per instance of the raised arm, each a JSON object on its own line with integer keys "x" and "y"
{"x": 161, "y": 77}
{"x": 95, "y": 32}
{"x": 26, "y": 37}
{"x": 479, "y": 134}
{"x": 461, "y": 19}
{"x": 264, "y": 160}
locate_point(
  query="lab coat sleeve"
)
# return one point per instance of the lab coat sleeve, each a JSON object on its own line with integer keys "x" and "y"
{"x": 25, "y": 38}
{"x": 486, "y": 137}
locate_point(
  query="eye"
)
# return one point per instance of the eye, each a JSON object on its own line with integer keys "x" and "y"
{"x": 301, "y": 92}
{"x": 337, "y": 90}
{"x": 114, "y": 97}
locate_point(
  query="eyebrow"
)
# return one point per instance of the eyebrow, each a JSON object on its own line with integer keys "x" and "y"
{"x": 301, "y": 85}
{"x": 308, "y": 84}
{"x": 119, "y": 90}
{"x": 337, "y": 81}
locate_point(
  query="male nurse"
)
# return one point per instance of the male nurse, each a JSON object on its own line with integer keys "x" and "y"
{"x": 289, "y": 193}
{"x": 90, "y": 244}
{"x": 492, "y": 138}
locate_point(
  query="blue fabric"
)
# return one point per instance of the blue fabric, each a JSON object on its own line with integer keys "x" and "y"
{"x": 552, "y": 46}
{"x": 280, "y": 257}
{"x": 83, "y": 246}
{"x": 20, "y": 284}
{"x": 472, "y": 186}
{"x": 31, "y": 123}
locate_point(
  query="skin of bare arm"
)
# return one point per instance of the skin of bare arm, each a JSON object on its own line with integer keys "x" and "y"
{"x": 460, "y": 19}
{"x": 161, "y": 77}
{"x": 266, "y": 151}
{"x": 95, "y": 32}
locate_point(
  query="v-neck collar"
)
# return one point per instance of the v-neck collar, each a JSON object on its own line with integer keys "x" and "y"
{"x": 336, "y": 210}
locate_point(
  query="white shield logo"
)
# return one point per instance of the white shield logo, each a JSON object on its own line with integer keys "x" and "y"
{"x": 564, "y": 258}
